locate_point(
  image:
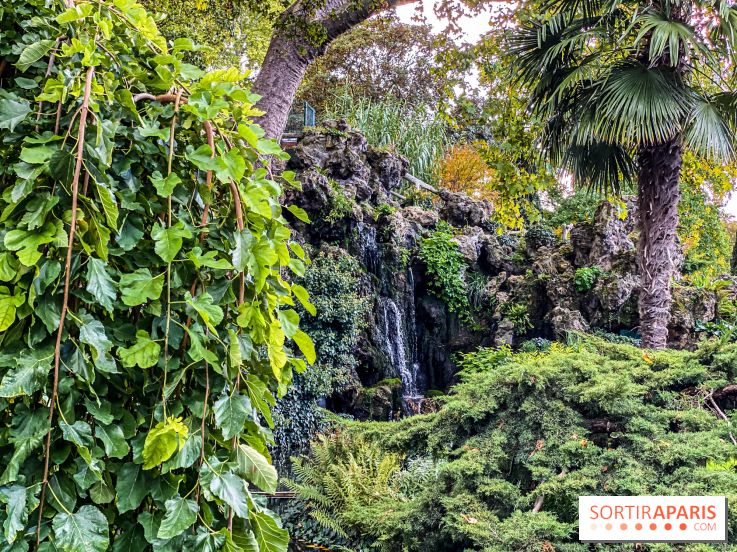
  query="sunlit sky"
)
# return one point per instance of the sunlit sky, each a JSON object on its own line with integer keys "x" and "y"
{"x": 473, "y": 28}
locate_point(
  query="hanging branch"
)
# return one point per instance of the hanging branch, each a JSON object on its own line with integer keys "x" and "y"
{"x": 67, "y": 276}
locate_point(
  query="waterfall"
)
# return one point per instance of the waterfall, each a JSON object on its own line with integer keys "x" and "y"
{"x": 395, "y": 345}
{"x": 368, "y": 248}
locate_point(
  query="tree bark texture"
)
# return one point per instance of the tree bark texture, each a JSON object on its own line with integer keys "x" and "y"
{"x": 291, "y": 51}
{"x": 657, "y": 252}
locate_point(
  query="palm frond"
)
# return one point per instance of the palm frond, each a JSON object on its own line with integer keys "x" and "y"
{"x": 726, "y": 29}
{"x": 640, "y": 105}
{"x": 600, "y": 166}
{"x": 586, "y": 8}
{"x": 665, "y": 36}
{"x": 710, "y": 129}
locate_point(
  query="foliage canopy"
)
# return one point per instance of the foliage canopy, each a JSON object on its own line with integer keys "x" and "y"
{"x": 500, "y": 466}
{"x": 147, "y": 322}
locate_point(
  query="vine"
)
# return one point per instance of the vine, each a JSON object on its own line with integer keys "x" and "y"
{"x": 147, "y": 320}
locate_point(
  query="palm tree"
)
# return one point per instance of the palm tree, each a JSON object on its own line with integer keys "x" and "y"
{"x": 623, "y": 88}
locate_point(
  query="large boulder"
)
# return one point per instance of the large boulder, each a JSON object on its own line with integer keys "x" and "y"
{"x": 460, "y": 210}
{"x": 611, "y": 232}
{"x": 690, "y": 305}
{"x": 342, "y": 155}
{"x": 564, "y": 320}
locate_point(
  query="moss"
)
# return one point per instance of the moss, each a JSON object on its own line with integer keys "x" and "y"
{"x": 341, "y": 205}
{"x": 390, "y": 382}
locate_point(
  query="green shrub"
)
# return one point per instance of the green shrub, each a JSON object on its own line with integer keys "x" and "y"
{"x": 586, "y": 277}
{"x": 446, "y": 267}
{"x": 518, "y": 314}
{"x": 537, "y": 344}
{"x": 613, "y": 419}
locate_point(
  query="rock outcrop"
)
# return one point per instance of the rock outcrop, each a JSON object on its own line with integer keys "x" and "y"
{"x": 536, "y": 286}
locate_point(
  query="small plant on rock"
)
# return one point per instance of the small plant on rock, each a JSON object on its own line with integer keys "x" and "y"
{"x": 519, "y": 316}
{"x": 585, "y": 278}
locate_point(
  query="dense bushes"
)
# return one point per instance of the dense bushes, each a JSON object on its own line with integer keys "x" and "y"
{"x": 146, "y": 314}
{"x": 589, "y": 418}
{"x": 333, "y": 283}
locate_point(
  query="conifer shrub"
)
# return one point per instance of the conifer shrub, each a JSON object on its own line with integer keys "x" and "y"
{"x": 588, "y": 418}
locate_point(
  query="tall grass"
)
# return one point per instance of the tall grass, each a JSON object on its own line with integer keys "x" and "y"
{"x": 412, "y": 130}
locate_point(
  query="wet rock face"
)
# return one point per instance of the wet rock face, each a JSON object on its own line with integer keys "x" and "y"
{"x": 523, "y": 286}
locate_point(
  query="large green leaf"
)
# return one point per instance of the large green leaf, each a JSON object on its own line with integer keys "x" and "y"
{"x": 255, "y": 468}
{"x": 100, "y": 284}
{"x": 29, "y": 375}
{"x": 168, "y": 241}
{"x": 305, "y": 344}
{"x": 165, "y": 185}
{"x": 93, "y": 334}
{"x": 163, "y": 441}
{"x": 231, "y": 413}
{"x": 14, "y": 497}
{"x": 144, "y": 353}
{"x": 109, "y": 204}
{"x": 231, "y": 489}
{"x": 181, "y": 513}
{"x": 79, "y": 433}
{"x": 210, "y": 313}
{"x": 138, "y": 287}
{"x": 84, "y": 531}
{"x": 113, "y": 440}
{"x": 131, "y": 487}
{"x": 270, "y": 537}
{"x": 33, "y": 52}
{"x": 26, "y": 242}
{"x": 13, "y": 112}
{"x": 8, "y": 307}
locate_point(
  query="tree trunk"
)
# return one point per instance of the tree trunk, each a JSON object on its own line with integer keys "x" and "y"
{"x": 291, "y": 51}
{"x": 658, "y": 196}
{"x": 282, "y": 72}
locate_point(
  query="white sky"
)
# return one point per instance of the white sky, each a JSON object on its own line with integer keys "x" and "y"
{"x": 473, "y": 28}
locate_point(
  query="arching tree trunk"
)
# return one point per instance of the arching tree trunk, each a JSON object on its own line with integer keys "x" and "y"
{"x": 291, "y": 50}
{"x": 658, "y": 197}
{"x": 277, "y": 83}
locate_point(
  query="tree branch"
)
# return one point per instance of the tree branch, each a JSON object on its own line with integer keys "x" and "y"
{"x": 67, "y": 277}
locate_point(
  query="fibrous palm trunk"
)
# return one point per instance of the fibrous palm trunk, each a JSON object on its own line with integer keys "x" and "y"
{"x": 658, "y": 196}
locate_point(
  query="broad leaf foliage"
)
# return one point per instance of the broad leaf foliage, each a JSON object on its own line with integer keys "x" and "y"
{"x": 178, "y": 332}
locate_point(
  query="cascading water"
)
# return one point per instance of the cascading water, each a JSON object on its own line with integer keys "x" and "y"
{"x": 395, "y": 346}
{"x": 368, "y": 248}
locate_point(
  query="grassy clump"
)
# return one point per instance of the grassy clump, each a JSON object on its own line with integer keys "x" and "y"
{"x": 413, "y": 131}
{"x": 589, "y": 418}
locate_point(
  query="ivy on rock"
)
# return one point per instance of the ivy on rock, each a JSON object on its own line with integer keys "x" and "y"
{"x": 147, "y": 320}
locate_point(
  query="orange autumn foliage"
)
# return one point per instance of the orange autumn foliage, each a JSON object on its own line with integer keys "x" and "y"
{"x": 463, "y": 169}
